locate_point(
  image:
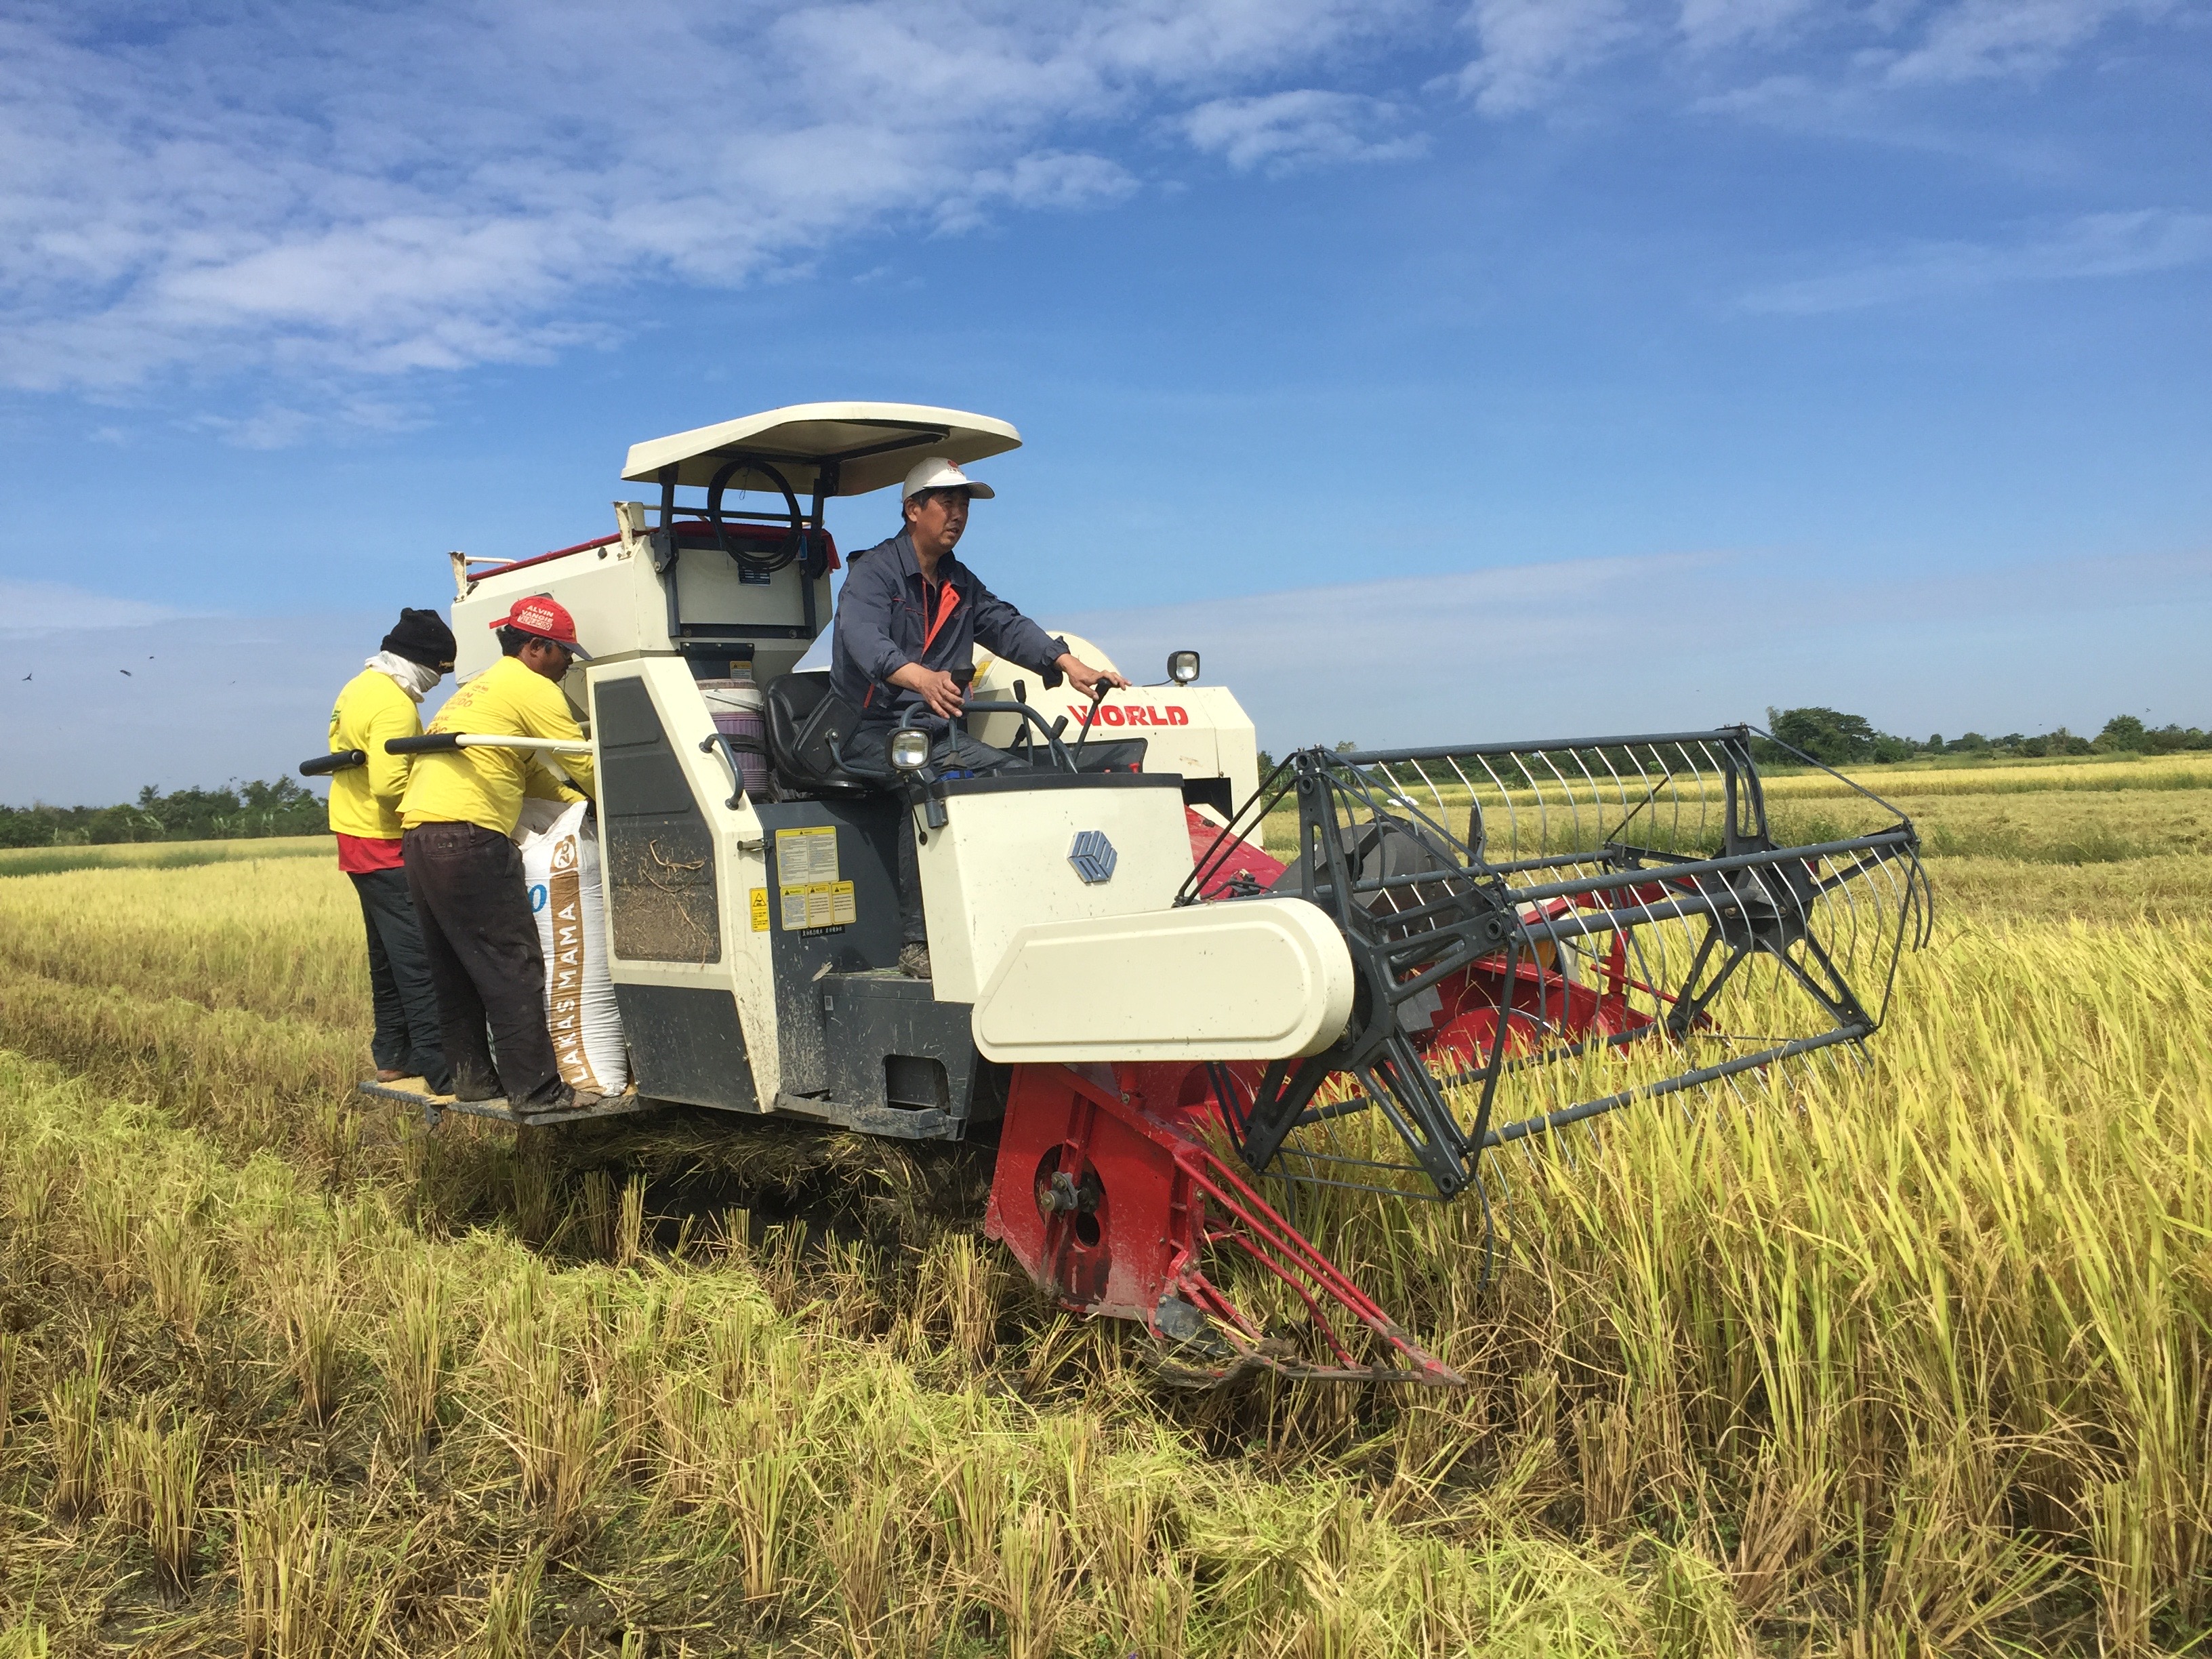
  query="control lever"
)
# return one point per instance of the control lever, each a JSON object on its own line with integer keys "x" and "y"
{"x": 1090, "y": 720}
{"x": 1028, "y": 743}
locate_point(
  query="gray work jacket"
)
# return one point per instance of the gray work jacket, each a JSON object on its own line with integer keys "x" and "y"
{"x": 887, "y": 617}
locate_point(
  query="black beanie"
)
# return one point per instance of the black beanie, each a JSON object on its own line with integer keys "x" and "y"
{"x": 423, "y": 636}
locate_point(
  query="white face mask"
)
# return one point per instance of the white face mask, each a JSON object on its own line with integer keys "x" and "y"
{"x": 413, "y": 678}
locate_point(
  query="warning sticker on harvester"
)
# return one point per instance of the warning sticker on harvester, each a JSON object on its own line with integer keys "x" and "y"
{"x": 818, "y": 904}
{"x": 760, "y": 909}
{"x": 804, "y": 857}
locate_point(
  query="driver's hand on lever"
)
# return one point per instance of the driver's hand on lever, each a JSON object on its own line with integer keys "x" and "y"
{"x": 937, "y": 688}
{"x": 1085, "y": 679}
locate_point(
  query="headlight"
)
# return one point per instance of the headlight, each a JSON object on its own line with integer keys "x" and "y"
{"x": 907, "y": 750}
{"x": 1182, "y": 666}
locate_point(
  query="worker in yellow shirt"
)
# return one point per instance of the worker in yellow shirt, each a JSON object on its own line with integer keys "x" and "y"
{"x": 465, "y": 874}
{"x": 377, "y": 704}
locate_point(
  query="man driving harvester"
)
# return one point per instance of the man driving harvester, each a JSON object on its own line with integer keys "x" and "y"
{"x": 465, "y": 874}
{"x": 909, "y": 619}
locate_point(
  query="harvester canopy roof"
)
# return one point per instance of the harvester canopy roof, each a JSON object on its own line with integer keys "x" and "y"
{"x": 871, "y": 445}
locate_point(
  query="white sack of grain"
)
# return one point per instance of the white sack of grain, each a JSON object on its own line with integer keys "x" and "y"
{"x": 561, "y": 867}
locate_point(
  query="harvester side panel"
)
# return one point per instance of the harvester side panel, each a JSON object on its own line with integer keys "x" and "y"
{"x": 683, "y": 858}
{"x": 1000, "y": 861}
{"x": 687, "y": 1044}
{"x": 660, "y": 849}
{"x": 814, "y": 845}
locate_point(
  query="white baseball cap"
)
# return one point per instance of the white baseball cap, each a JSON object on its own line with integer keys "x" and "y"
{"x": 938, "y": 473}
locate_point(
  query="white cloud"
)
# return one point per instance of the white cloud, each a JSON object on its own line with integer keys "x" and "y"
{"x": 1530, "y": 48}
{"x": 1533, "y": 51}
{"x": 1046, "y": 180}
{"x": 1978, "y": 39}
{"x": 2095, "y": 245}
{"x": 382, "y": 191}
{"x": 429, "y": 186}
{"x": 1709, "y": 24}
{"x": 1283, "y": 131}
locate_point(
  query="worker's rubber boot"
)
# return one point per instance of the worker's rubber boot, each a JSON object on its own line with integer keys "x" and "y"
{"x": 913, "y": 961}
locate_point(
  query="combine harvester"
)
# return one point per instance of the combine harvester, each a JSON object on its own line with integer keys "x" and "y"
{"x": 1473, "y": 946}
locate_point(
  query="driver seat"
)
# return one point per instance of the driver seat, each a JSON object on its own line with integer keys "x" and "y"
{"x": 807, "y": 725}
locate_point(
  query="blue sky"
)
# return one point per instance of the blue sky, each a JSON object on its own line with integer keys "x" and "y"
{"x": 1535, "y": 368}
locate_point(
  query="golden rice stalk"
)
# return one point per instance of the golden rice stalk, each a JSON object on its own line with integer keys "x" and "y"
{"x": 176, "y": 1253}
{"x": 629, "y": 1224}
{"x": 11, "y": 1348}
{"x": 597, "y": 1203}
{"x": 576, "y": 1472}
{"x": 763, "y": 1495}
{"x": 860, "y": 1542}
{"x": 1159, "y": 1605}
{"x": 973, "y": 1493}
{"x": 302, "y": 1297}
{"x": 304, "y": 1591}
{"x": 1605, "y": 1451}
{"x": 510, "y": 1610}
{"x": 2120, "y": 1540}
{"x": 104, "y": 1205}
{"x": 1032, "y": 1553}
{"x": 412, "y": 1356}
{"x": 535, "y": 1188}
{"x": 73, "y": 1416}
{"x": 153, "y": 1486}
{"x": 1125, "y": 1521}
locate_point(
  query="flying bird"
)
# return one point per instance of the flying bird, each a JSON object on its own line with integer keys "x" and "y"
{"x": 126, "y": 672}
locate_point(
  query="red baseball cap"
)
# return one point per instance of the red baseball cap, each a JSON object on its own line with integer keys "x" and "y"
{"x": 549, "y": 619}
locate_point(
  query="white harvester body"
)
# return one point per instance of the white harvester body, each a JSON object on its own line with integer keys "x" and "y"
{"x": 753, "y": 935}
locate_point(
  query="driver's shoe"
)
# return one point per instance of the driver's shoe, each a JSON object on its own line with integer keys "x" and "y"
{"x": 913, "y": 961}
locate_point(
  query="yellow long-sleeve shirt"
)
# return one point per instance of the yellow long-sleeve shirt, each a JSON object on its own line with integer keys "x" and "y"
{"x": 365, "y": 799}
{"x": 486, "y": 787}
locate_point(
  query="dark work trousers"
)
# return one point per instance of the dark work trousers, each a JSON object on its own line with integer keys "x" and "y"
{"x": 486, "y": 960}
{"x": 407, "y": 1035}
{"x": 953, "y": 753}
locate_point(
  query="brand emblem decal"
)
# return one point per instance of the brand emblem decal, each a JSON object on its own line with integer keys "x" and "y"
{"x": 1092, "y": 855}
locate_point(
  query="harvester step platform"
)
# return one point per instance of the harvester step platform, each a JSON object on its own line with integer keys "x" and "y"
{"x": 497, "y": 1109}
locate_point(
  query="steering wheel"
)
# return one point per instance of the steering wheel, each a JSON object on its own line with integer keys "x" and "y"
{"x": 795, "y": 544}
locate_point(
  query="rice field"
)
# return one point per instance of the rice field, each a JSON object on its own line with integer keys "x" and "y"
{"x": 160, "y": 854}
{"x": 1910, "y": 1358}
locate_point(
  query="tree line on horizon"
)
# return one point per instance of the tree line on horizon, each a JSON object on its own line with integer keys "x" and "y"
{"x": 1835, "y": 739}
{"x": 235, "y": 811}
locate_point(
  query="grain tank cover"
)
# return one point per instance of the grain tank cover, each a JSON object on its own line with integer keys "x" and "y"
{"x": 825, "y": 449}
